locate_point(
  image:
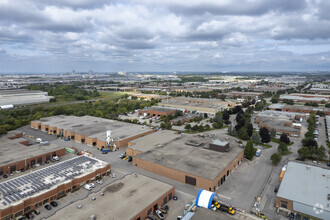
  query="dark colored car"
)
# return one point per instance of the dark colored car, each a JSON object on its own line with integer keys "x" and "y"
{"x": 5, "y": 176}
{"x": 276, "y": 189}
{"x": 22, "y": 170}
{"x": 47, "y": 161}
{"x": 36, "y": 212}
{"x": 22, "y": 218}
{"x": 48, "y": 207}
{"x": 328, "y": 164}
{"x": 54, "y": 204}
{"x": 175, "y": 198}
{"x": 129, "y": 159}
{"x": 29, "y": 216}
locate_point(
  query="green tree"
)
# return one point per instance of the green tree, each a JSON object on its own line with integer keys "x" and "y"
{"x": 275, "y": 158}
{"x": 187, "y": 127}
{"x": 321, "y": 153}
{"x": 264, "y": 134}
{"x": 284, "y": 138}
{"x": 249, "y": 150}
{"x": 273, "y": 133}
{"x": 242, "y": 134}
{"x": 207, "y": 127}
{"x": 255, "y": 137}
{"x": 282, "y": 148}
{"x": 162, "y": 125}
{"x": 304, "y": 152}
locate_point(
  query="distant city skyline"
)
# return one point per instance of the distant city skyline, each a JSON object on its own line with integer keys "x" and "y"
{"x": 164, "y": 36}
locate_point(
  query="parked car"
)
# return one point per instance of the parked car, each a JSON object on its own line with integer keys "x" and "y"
{"x": 112, "y": 175}
{"x": 88, "y": 187}
{"x": 328, "y": 164}
{"x": 160, "y": 214}
{"x": 92, "y": 185}
{"x": 36, "y": 212}
{"x": 48, "y": 207}
{"x": 121, "y": 156}
{"x": 130, "y": 159}
{"x": 101, "y": 194}
{"x": 56, "y": 158}
{"x": 54, "y": 204}
{"x": 99, "y": 182}
{"x": 276, "y": 189}
{"x": 79, "y": 206}
{"x": 5, "y": 176}
{"x": 152, "y": 217}
{"x": 29, "y": 215}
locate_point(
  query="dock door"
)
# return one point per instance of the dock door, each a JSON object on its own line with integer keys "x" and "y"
{"x": 191, "y": 180}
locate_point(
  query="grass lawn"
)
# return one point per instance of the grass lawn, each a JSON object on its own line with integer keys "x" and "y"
{"x": 112, "y": 94}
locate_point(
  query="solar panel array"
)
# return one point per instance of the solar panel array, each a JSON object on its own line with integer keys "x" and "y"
{"x": 20, "y": 187}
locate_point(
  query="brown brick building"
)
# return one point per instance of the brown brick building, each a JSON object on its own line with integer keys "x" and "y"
{"x": 17, "y": 154}
{"x": 157, "y": 111}
{"x": 38, "y": 188}
{"x": 91, "y": 130}
{"x": 187, "y": 158}
{"x": 135, "y": 197}
{"x": 299, "y": 109}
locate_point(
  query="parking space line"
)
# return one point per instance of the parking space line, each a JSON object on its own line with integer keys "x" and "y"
{"x": 224, "y": 196}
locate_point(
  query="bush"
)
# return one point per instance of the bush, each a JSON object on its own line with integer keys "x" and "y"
{"x": 275, "y": 158}
{"x": 249, "y": 150}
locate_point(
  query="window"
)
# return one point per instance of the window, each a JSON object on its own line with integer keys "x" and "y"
{"x": 13, "y": 168}
{"x": 191, "y": 180}
{"x": 170, "y": 196}
{"x": 1, "y": 172}
{"x": 61, "y": 193}
{"x": 18, "y": 214}
{"x": 149, "y": 211}
{"x": 48, "y": 157}
{"x": 165, "y": 200}
{"x": 45, "y": 201}
{"x": 40, "y": 160}
{"x": 284, "y": 204}
{"x": 94, "y": 143}
{"x": 8, "y": 217}
{"x": 227, "y": 173}
{"x": 52, "y": 198}
{"x": 54, "y": 154}
{"x": 27, "y": 209}
{"x": 38, "y": 204}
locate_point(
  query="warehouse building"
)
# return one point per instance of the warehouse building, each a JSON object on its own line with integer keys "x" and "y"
{"x": 299, "y": 109}
{"x": 297, "y": 97}
{"x": 198, "y": 105}
{"x": 23, "y": 97}
{"x": 16, "y": 153}
{"x": 200, "y": 160}
{"x": 91, "y": 130}
{"x": 282, "y": 122}
{"x": 157, "y": 111}
{"x": 133, "y": 197}
{"x": 25, "y": 193}
{"x": 245, "y": 95}
{"x": 304, "y": 190}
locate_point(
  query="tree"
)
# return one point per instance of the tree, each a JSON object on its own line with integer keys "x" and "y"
{"x": 249, "y": 129}
{"x": 284, "y": 138}
{"x": 207, "y": 127}
{"x": 321, "y": 153}
{"x": 168, "y": 126}
{"x": 304, "y": 152}
{"x": 255, "y": 137}
{"x": 225, "y": 116}
{"x": 249, "y": 150}
{"x": 275, "y": 158}
{"x": 282, "y": 148}
{"x": 217, "y": 125}
{"x": 264, "y": 134}
{"x": 273, "y": 133}
{"x": 162, "y": 125}
{"x": 242, "y": 134}
{"x": 309, "y": 142}
{"x": 187, "y": 127}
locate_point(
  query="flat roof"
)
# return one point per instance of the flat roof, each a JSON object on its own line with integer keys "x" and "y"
{"x": 152, "y": 141}
{"x": 94, "y": 127}
{"x": 299, "y": 107}
{"x": 20, "y": 91}
{"x": 12, "y": 151}
{"x": 187, "y": 154}
{"x": 302, "y": 98}
{"x": 159, "y": 109}
{"x": 306, "y": 185}
{"x": 122, "y": 199}
{"x": 36, "y": 183}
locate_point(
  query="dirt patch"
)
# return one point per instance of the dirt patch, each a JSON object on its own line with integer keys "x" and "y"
{"x": 114, "y": 187}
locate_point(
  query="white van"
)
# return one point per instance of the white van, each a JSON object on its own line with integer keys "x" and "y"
{"x": 88, "y": 187}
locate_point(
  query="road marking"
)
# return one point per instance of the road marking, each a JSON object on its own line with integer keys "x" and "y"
{"x": 224, "y": 197}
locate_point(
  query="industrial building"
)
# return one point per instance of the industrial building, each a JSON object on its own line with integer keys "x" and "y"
{"x": 133, "y": 197}
{"x": 297, "y": 97}
{"x": 245, "y": 95}
{"x": 304, "y": 190}
{"x": 282, "y": 122}
{"x": 23, "y": 97}
{"x": 182, "y": 119}
{"x": 299, "y": 108}
{"x": 27, "y": 192}
{"x": 150, "y": 96}
{"x": 157, "y": 111}
{"x": 91, "y": 130}
{"x": 199, "y": 105}
{"x": 204, "y": 160}
{"x": 16, "y": 153}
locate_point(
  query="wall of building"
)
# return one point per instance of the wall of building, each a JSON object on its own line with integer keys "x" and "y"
{"x": 152, "y": 113}
{"x": 204, "y": 183}
{"x": 159, "y": 202}
{"x": 26, "y": 164}
{"x": 34, "y": 202}
{"x": 280, "y": 200}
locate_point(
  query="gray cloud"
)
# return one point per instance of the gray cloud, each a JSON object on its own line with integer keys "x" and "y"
{"x": 164, "y": 36}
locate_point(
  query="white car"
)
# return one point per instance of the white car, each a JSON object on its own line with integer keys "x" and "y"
{"x": 88, "y": 187}
{"x": 160, "y": 214}
{"x": 112, "y": 175}
{"x": 92, "y": 185}
{"x": 38, "y": 140}
{"x": 56, "y": 158}
{"x": 99, "y": 182}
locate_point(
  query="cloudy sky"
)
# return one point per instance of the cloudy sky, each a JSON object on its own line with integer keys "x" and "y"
{"x": 166, "y": 35}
